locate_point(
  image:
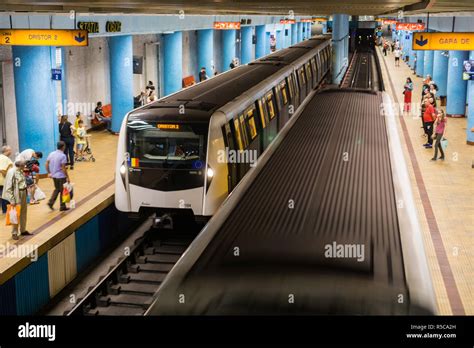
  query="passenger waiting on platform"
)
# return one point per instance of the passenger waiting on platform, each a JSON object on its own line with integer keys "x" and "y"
{"x": 5, "y": 164}
{"x": 150, "y": 89}
{"x": 15, "y": 193}
{"x": 152, "y": 97}
{"x": 28, "y": 155}
{"x": 440, "y": 133}
{"x": 203, "y": 74}
{"x": 98, "y": 114}
{"x": 408, "y": 88}
{"x": 234, "y": 63}
{"x": 429, "y": 117}
{"x": 56, "y": 168}
{"x": 397, "y": 55}
{"x": 393, "y": 46}
{"x": 385, "y": 48}
{"x": 66, "y": 132}
{"x": 81, "y": 135}
{"x": 78, "y": 118}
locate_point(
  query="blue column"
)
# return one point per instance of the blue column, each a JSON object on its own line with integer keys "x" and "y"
{"x": 246, "y": 44}
{"x": 64, "y": 78}
{"x": 310, "y": 25}
{"x": 300, "y": 31}
{"x": 294, "y": 34}
{"x": 205, "y": 50}
{"x": 412, "y": 58}
{"x": 172, "y": 62}
{"x": 470, "y": 108}
{"x": 228, "y": 48}
{"x": 287, "y": 38}
{"x": 279, "y": 39}
{"x": 325, "y": 27}
{"x": 267, "y": 43}
{"x": 303, "y": 25}
{"x": 260, "y": 46}
{"x": 456, "y": 99}
{"x": 121, "y": 78}
{"x": 420, "y": 63}
{"x": 340, "y": 32}
{"x": 440, "y": 72}
{"x": 428, "y": 68}
{"x": 35, "y": 104}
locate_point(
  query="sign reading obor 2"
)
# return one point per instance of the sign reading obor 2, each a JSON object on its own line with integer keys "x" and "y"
{"x": 443, "y": 41}
{"x": 43, "y": 37}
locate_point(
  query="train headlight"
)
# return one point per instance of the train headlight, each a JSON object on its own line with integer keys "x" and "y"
{"x": 210, "y": 173}
{"x": 123, "y": 169}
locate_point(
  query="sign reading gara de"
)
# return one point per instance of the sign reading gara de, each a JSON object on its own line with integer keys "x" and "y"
{"x": 443, "y": 41}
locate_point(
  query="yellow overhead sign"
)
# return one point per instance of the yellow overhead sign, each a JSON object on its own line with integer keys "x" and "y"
{"x": 43, "y": 37}
{"x": 443, "y": 41}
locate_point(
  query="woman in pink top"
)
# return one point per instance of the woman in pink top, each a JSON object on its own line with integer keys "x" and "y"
{"x": 440, "y": 132}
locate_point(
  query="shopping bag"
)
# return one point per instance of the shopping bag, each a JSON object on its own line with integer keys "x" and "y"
{"x": 39, "y": 194}
{"x": 12, "y": 215}
{"x": 66, "y": 196}
{"x": 444, "y": 143}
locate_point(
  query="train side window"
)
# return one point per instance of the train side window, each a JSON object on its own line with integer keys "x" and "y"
{"x": 308, "y": 72}
{"x": 296, "y": 87}
{"x": 245, "y": 137}
{"x": 262, "y": 108}
{"x": 277, "y": 96}
{"x": 270, "y": 106}
{"x": 290, "y": 86}
{"x": 250, "y": 118}
{"x": 283, "y": 92}
{"x": 302, "y": 77}
{"x": 313, "y": 66}
{"x": 238, "y": 135}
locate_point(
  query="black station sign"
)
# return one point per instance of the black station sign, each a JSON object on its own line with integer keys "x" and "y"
{"x": 113, "y": 26}
{"x": 91, "y": 27}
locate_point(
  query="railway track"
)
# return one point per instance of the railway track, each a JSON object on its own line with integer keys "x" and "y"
{"x": 128, "y": 288}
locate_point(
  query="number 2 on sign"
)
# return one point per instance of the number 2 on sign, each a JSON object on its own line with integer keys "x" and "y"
{"x": 455, "y": 62}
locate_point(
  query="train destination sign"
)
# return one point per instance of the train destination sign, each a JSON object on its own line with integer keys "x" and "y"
{"x": 287, "y": 21}
{"x": 226, "y": 25}
{"x": 443, "y": 41}
{"x": 410, "y": 26}
{"x": 306, "y": 20}
{"x": 43, "y": 37}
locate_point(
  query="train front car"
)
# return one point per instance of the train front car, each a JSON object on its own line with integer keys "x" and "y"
{"x": 161, "y": 162}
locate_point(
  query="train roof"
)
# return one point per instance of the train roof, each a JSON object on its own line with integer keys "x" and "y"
{"x": 202, "y": 99}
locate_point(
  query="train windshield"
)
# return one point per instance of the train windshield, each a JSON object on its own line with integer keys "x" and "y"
{"x": 166, "y": 145}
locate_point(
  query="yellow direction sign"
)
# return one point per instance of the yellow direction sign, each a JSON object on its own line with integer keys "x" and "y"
{"x": 43, "y": 37}
{"x": 443, "y": 41}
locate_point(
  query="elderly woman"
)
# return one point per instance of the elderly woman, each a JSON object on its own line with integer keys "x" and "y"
{"x": 15, "y": 192}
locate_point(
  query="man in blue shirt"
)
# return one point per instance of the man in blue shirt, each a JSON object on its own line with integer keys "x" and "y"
{"x": 56, "y": 168}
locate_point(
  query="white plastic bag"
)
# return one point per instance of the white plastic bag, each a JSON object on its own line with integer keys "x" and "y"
{"x": 39, "y": 194}
{"x": 72, "y": 204}
{"x": 13, "y": 217}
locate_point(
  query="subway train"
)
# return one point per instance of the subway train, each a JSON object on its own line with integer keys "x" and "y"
{"x": 185, "y": 153}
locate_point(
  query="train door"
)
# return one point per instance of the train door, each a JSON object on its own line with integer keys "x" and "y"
{"x": 264, "y": 121}
{"x": 232, "y": 168}
{"x": 314, "y": 69}
{"x": 302, "y": 83}
{"x": 282, "y": 99}
{"x": 252, "y": 132}
{"x": 294, "y": 92}
{"x": 309, "y": 78}
{"x": 272, "y": 113}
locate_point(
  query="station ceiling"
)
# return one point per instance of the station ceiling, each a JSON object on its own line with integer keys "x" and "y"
{"x": 264, "y": 7}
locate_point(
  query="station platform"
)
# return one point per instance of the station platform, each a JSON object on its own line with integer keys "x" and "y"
{"x": 443, "y": 192}
{"x": 50, "y": 258}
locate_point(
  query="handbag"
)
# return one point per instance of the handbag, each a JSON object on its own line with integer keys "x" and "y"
{"x": 12, "y": 215}
{"x": 444, "y": 143}
{"x": 39, "y": 194}
{"x": 66, "y": 197}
